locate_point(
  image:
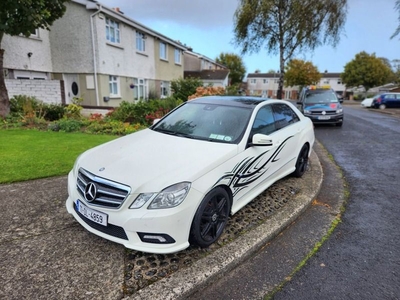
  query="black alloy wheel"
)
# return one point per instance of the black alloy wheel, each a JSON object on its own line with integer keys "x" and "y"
{"x": 211, "y": 218}
{"x": 302, "y": 162}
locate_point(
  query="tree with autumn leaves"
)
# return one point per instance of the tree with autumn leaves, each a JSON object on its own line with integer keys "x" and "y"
{"x": 301, "y": 73}
{"x": 366, "y": 70}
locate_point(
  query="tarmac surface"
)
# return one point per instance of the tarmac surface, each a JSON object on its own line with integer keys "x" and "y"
{"x": 46, "y": 254}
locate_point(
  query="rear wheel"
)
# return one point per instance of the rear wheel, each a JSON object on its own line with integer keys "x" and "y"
{"x": 382, "y": 106}
{"x": 302, "y": 162}
{"x": 210, "y": 219}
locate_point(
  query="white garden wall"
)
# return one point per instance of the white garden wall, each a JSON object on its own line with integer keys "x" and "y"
{"x": 48, "y": 91}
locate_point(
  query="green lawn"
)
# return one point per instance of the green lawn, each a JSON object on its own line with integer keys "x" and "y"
{"x": 31, "y": 154}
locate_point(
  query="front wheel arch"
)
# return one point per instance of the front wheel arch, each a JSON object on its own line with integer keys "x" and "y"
{"x": 211, "y": 217}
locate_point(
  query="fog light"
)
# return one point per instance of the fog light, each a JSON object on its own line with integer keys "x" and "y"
{"x": 156, "y": 238}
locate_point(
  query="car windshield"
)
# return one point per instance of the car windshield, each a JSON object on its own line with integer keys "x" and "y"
{"x": 321, "y": 97}
{"x": 212, "y": 122}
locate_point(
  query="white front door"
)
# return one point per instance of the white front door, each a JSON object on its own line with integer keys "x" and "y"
{"x": 72, "y": 88}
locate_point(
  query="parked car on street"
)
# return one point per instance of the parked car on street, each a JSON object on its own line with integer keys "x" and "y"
{"x": 321, "y": 105}
{"x": 387, "y": 100}
{"x": 367, "y": 102}
{"x": 176, "y": 183}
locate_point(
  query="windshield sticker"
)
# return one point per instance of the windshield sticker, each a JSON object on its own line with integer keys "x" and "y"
{"x": 221, "y": 137}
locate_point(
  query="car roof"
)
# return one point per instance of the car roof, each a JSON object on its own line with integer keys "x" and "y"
{"x": 241, "y": 101}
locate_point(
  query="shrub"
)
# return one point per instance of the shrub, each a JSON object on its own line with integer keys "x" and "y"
{"x": 140, "y": 112}
{"x": 113, "y": 127}
{"x": 183, "y": 88}
{"x": 359, "y": 97}
{"x": 158, "y": 114}
{"x": 233, "y": 90}
{"x": 74, "y": 109}
{"x": 124, "y": 112}
{"x": 19, "y": 103}
{"x": 68, "y": 125}
{"x": 53, "y": 112}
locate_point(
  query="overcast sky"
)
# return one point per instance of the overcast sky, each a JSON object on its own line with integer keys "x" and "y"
{"x": 207, "y": 27}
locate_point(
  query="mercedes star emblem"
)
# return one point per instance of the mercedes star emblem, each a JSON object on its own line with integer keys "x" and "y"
{"x": 90, "y": 192}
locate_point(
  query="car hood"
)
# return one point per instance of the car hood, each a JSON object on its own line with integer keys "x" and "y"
{"x": 149, "y": 161}
{"x": 322, "y": 106}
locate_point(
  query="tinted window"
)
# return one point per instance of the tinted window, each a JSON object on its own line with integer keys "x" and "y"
{"x": 264, "y": 122}
{"x": 284, "y": 115}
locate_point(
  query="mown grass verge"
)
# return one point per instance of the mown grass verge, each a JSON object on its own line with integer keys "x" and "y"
{"x": 31, "y": 154}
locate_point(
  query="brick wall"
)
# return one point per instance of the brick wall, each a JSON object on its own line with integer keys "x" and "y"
{"x": 48, "y": 91}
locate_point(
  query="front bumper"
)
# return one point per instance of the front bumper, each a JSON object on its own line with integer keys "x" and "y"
{"x": 127, "y": 226}
{"x": 325, "y": 119}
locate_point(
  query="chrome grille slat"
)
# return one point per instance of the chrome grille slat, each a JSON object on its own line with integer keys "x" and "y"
{"x": 109, "y": 194}
{"x": 105, "y": 200}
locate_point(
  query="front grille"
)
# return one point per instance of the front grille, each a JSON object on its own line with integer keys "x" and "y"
{"x": 109, "y": 194}
{"x": 319, "y": 112}
{"x": 110, "y": 229}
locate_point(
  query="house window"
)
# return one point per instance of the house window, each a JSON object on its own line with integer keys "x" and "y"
{"x": 114, "y": 86}
{"x": 163, "y": 50}
{"x": 339, "y": 82}
{"x": 177, "y": 56}
{"x": 112, "y": 31}
{"x": 140, "y": 41}
{"x": 35, "y": 33}
{"x": 164, "y": 92}
{"x": 265, "y": 80}
{"x": 30, "y": 75}
{"x": 140, "y": 90}
{"x": 252, "y": 81}
{"x": 326, "y": 81}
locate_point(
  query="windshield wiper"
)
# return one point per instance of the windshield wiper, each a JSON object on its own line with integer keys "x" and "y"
{"x": 175, "y": 133}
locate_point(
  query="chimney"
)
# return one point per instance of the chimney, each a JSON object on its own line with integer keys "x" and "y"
{"x": 118, "y": 10}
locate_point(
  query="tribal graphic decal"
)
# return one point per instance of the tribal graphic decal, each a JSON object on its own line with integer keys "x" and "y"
{"x": 251, "y": 169}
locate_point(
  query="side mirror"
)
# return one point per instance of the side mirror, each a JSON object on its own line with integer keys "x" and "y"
{"x": 299, "y": 102}
{"x": 261, "y": 140}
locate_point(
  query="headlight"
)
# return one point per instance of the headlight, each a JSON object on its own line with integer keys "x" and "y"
{"x": 141, "y": 200}
{"x": 339, "y": 111}
{"x": 306, "y": 111}
{"x": 170, "y": 197}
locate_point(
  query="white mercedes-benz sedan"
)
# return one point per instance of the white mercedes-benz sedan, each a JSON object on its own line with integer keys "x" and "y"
{"x": 176, "y": 183}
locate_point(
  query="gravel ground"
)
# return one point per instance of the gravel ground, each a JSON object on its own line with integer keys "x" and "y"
{"x": 142, "y": 269}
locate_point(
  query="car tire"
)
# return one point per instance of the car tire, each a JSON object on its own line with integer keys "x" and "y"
{"x": 301, "y": 162}
{"x": 210, "y": 219}
{"x": 382, "y": 106}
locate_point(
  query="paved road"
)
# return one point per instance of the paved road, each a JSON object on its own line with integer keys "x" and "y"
{"x": 362, "y": 258}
